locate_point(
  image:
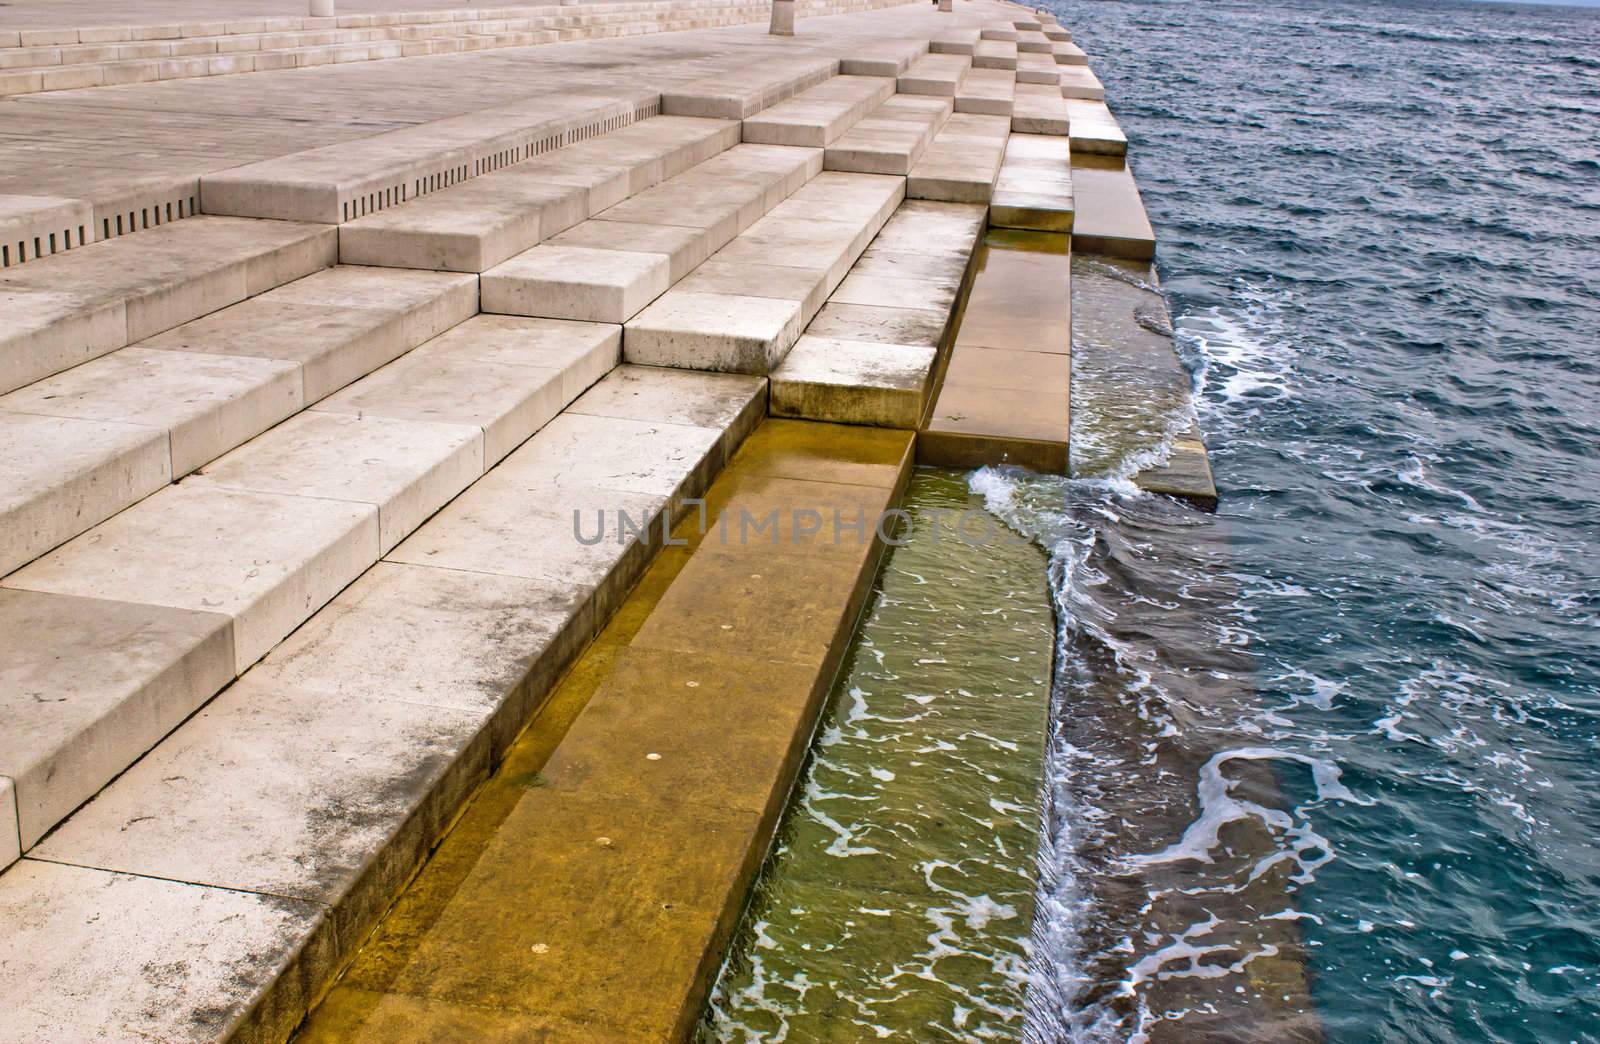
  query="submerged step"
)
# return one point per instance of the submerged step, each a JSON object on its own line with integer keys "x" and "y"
{"x": 651, "y": 816}
{"x": 869, "y": 356}
{"x": 1005, "y": 395}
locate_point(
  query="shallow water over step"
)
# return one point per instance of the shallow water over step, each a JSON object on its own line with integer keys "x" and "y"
{"x": 898, "y": 899}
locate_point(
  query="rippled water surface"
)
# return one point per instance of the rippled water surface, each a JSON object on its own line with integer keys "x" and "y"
{"x": 1326, "y": 764}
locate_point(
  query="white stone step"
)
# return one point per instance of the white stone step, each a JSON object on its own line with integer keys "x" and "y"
{"x": 955, "y": 41}
{"x": 893, "y": 138}
{"x": 1035, "y": 186}
{"x": 963, "y": 162}
{"x": 472, "y": 227}
{"x": 741, "y": 93}
{"x": 1000, "y": 31}
{"x": 718, "y": 199}
{"x": 93, "y": 440}
{"x": 815, "y": 117}
{"x": 742, "y": 310}
{"x": 987, "y": 92}
{"x": 995, "y": 54}
{"x": 68, "y": 308}
{"x": 869, "y": 356}
{"x": 881, "y": 58}
{"x": 1094, "y": 129}
{"x": 1068, "y": 53}
{"x": 1026, "y": 25}
{"x": 1038, "y": 108}
{"x": 1077, "y": 81}
{"x": 351, "y": 179}
{"x": 1056, "y": 34}
{"x": 1032, "y": 42}
{"x": 1038, "y": 68}
{"x": 196, "y": 582}
{"x": 324, "y": 776}
{"x": 936, "y": 74}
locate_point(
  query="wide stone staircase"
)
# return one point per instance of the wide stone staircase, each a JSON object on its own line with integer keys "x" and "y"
{"x": 307, "y": 500}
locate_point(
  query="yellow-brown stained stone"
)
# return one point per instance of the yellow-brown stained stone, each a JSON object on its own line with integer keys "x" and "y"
{"x": 1005, "y": 395}
{"x": 588, "y": 892}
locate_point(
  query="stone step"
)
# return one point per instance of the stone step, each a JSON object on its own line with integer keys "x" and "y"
{"x": 1094, "y": 129}
{"x": 987, "y": 92}
{"x": 90, "y": 441}
{"x": 741, "y": 311}
{"x": 1000, "y": 31}
{"x": 963, "y": 162}
{"x": 260, "y": 842}
{"x": 936, "y": 74}
{"x": 1056, "y": 34}
{"x": 576, "y": 277}
{"x": 1040, "y": 109}
{"x": 743, "y": 92}
{"x": 869, "y": 355}
{"x": 192, "y": 585}
{"x": 351, "y": 179}
{"x": 882, "y": 58}
{"x": 1034, "y": 190}
{"x": 995, "y": 54}
{"x": 1026, "y": 25}
{"x": 473, "y": 226}
{"x": 955, "y": 41}
{"x": 1068, "y": 53}
{"x": 893, "y": 138}
{"x": 1037, "y": 68}
{"x": 815, "y": 117}
{"x": 68, "y": 308}
{"x": 1111, "y": 217}
{"x": 1033, "y": 42}
{"x": 1077, "y": 81}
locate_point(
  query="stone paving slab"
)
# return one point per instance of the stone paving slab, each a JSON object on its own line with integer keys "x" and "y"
{"x": 69, "y": 308}
{"x": 853, "y": 382}
{"x": 95, "y": 685}
{"x": 737, "y": 95}
{"x": 955, "y": 41}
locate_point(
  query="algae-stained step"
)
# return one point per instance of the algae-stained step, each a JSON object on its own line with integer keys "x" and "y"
{"x": 647, "y": 814}
{"x": 869, "y": 356}
{"x": 1005, "y": 394}
{"x": 321, "y": 778}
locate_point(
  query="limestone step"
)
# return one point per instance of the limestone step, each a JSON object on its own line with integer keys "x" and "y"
{"x": 743, "y": 92}
{"x": 473, "y": 226}
{"x": 893, "y": 138}
{"x": 815, "y": 117}
{"x": 868, "y": 357}
{"x": 1068, "y": 53}
{"x": 1111, "y": 217}
{"x": 1040, "y": 109}
{"x": 987, "y": 92}
{"x": 936, "y": 74}
{"x": 1094, "y": 129}
{"x": 351, "y": 179}
{"x": 1056, "y": 34}
{"x": 1000, "y": 31}
{"x": 1034, "y": 190}
{"x": 1077, "y": 81}
{"x": 963, "y": 162}
{"x": 881, "y": 58}
{"x": 741, "y": 311}
{"x": 261, "y": 840}
{"x": 955, "y": 41}
{"x": 1038, "y": 68}
{"x": 90, "y": 441}
{"x": 1027, "y": 25}
{"x": 192, "y": 585}
{"x": 1033, "y": 42}
{"x": 68, "y": 308}
{"x": 576, "y": 277}
{"x": 995, "y": 54}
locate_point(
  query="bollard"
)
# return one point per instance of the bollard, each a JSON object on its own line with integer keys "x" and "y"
{"x": 947, "y": 5}
{"x": 321, "y": 8}
{"x": 782, "y": 18}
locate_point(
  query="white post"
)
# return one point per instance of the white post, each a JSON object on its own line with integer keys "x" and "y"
{"x": 782, "y": 18}
{"x": 321, "y": 8}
